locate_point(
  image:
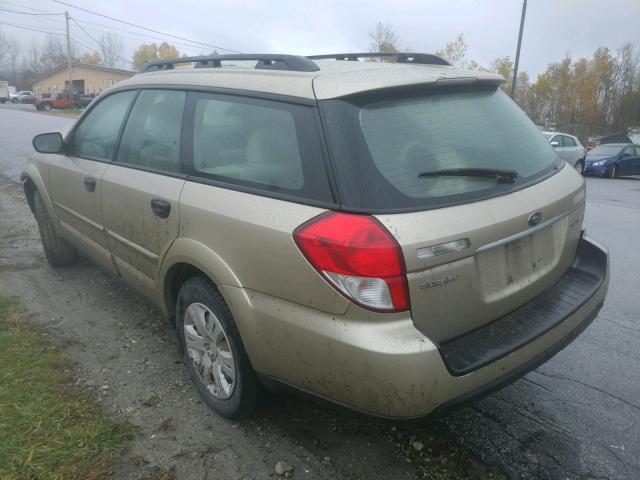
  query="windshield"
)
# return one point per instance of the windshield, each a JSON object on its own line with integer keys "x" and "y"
{"x": 392, "y": 148}
{"x": 605, "y": 150}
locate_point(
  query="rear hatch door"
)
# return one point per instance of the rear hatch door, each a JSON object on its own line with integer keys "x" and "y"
{"x": 506, "y": 261}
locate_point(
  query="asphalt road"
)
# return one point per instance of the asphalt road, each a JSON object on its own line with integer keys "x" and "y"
{"x": 19, "y": 123}
{"x": 575, "y": 417}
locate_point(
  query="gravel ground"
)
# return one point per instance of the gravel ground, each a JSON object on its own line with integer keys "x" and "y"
{"x": 129, "y": 357}
{"x": 576, "y": 417}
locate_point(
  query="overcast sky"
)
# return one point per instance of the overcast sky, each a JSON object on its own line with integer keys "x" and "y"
{"x": 490, "y": 27}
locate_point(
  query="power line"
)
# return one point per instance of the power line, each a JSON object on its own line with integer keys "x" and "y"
{"x": 110, "y": 27}
{"x": 39, "y": 27}
{"x": 94, "y": 50}
{"x": 85, "y": 22}
{"x": 27, "y": 8}
{"x": 97, "y": 42}
{"x": 32, "y": 29}
{"x": 28, "y": 13}
{"x": 145, "y": 28}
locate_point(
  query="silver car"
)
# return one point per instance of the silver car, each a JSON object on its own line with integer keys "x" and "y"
{"x": 568, "y": 148}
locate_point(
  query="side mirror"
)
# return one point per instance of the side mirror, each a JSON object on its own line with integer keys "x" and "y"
{"x": 48, "y": 143}
{"x": 555, "y": 144}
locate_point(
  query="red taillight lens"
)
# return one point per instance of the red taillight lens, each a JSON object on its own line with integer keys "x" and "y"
{"x": 358, "y": 256}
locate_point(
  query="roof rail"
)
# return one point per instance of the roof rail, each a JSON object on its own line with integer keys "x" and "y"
{"x": 401, "y": 57}
{"x": 265, "y": 62}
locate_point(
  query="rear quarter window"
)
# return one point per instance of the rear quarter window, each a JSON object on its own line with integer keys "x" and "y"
{"x": 266, "y": 146}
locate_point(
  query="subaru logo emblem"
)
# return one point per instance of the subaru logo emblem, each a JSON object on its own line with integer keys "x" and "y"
{"x": 534, "y": 218}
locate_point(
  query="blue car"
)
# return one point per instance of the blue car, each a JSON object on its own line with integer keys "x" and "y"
{"x": 613, "y": 160}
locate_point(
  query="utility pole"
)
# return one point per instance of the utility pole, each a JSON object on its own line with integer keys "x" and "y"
{"x": 70, "y": 91}
{"x": 515, "y": 66}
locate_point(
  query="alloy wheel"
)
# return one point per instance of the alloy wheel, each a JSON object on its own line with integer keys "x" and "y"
{"x": 209, "y": 350}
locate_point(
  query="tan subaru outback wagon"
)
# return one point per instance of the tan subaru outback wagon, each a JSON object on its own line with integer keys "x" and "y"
{"x": 394, "y": 236}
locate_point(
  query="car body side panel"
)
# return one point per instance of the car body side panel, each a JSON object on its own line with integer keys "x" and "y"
{"x": 570, "y": 154}
{"x": 635, "y": 162}
{"x": 78, "y": 208}
{"x": 139, "y": 239}
{"x": 628, "y": 163}
{"x": 187, "y": 251}
{"x": 253, "y": 234}
{"x": 37, "y": 171}
{"x": 377, "y": 363}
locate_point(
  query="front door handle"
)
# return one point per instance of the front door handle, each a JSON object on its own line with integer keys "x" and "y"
{"x": 90, "y": 184}
{"x": 160, "y": 208}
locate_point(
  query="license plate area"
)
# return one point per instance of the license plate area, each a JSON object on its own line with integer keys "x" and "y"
{"x": 509, "y": 268}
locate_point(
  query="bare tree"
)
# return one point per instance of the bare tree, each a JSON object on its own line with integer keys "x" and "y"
{"x": 111, "y": 48}
{"x": 54, "y": 53}
{"x": 3, "y": 47}
{"x": 384, "y": 38}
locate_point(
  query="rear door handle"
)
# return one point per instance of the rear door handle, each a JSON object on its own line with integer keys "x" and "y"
{"x": 90, "y": 184}
{"x": 160, "y": 208}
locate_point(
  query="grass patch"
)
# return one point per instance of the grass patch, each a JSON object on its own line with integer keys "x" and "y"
{"x": 48, "y": 428}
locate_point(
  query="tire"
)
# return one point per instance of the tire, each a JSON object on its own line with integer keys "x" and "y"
{"x": 201, "y": 310}
{"x": 15, "y": 100}
{"x": 612, "y": 172}
{"x": 579, "y": 166}
{"x": 2, "y": 100}
{"x": 46, "y": 107}
{"x": 58, "y": 251}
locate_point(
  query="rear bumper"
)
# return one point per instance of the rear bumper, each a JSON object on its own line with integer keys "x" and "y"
{"x": 577, "y": 286}
{"x": 381, "y": 364}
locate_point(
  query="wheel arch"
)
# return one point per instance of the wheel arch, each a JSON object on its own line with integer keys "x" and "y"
{"x": 185, "y": 259}
{"x": 32, "y": 181}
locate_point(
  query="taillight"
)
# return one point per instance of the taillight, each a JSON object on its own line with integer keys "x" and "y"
{"x": 359, "y": 257}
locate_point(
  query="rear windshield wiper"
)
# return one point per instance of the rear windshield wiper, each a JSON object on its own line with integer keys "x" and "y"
{"x": 503, "y": 176}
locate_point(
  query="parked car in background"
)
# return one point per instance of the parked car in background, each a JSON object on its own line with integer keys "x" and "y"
{"x": 83, "y": 99}
{"x": 21, "y": 95}
{"x": 29, "y": 99}
{"x": 568, "y": 147}
{"x": 4, "y": 92}
{"x": 12, "y": 92}
{"x": 613, "y": 160}
{"x": 63, "y": 100}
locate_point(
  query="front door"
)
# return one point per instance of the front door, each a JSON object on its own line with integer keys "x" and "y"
{"x": 562, "y": 149}
{"x": 75, "y": 179}
{"x": 629, "y": 163}
{"x": 635, "y": 164}
{"x": 626, "y": 162}
{"x": 141, "y": 189}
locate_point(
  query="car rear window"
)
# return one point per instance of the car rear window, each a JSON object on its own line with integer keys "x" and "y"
{"x": 382, "y": 145}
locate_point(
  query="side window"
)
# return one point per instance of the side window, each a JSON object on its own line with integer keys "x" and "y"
{"x": 248, "y": 142}
{"x": 151, "y": 137}
{"x": 569, "y": 142}
{"x": 97, "y": 134}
